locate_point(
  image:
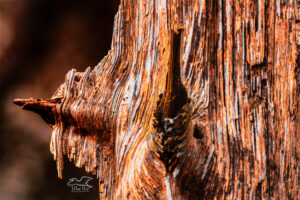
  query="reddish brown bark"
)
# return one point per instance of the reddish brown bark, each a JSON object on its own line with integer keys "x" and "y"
{"x": 195, "y": 100}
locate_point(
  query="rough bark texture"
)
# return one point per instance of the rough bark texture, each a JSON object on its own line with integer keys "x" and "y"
{"x": 195, "y": 100}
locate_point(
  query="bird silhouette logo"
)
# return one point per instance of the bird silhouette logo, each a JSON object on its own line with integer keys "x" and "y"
{"x": 82, "y": 182}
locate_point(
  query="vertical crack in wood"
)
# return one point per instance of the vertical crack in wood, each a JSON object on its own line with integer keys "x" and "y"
{"x": 175, "y": 96}
{"x": 172, "y": 114}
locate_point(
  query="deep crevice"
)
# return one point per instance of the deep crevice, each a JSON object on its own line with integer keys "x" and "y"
{"x": 170, "y": 120}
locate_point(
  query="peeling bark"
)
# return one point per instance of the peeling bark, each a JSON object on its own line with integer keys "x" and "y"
{"x": 195, "y": 100}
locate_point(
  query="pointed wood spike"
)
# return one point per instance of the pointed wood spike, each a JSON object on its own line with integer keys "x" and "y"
{"x": 43, "y": 107}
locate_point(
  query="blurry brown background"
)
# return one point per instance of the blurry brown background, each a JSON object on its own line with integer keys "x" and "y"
{"x": 40, "y": 40}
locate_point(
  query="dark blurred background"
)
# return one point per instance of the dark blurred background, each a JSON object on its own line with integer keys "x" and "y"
{"x": 40, "y": 41}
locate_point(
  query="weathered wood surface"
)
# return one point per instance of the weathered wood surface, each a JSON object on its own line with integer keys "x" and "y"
{"x": 195, "y": 100}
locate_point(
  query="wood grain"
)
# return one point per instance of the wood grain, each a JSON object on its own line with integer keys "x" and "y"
{"x": 195, "y": 100}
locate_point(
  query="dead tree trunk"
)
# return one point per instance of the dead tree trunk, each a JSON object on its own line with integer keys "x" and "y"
{"x": 195, "y": 100}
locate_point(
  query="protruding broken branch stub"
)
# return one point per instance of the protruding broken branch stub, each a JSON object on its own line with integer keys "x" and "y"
{"x": 43, "y": 107}
{"x": 186, "y": 113}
